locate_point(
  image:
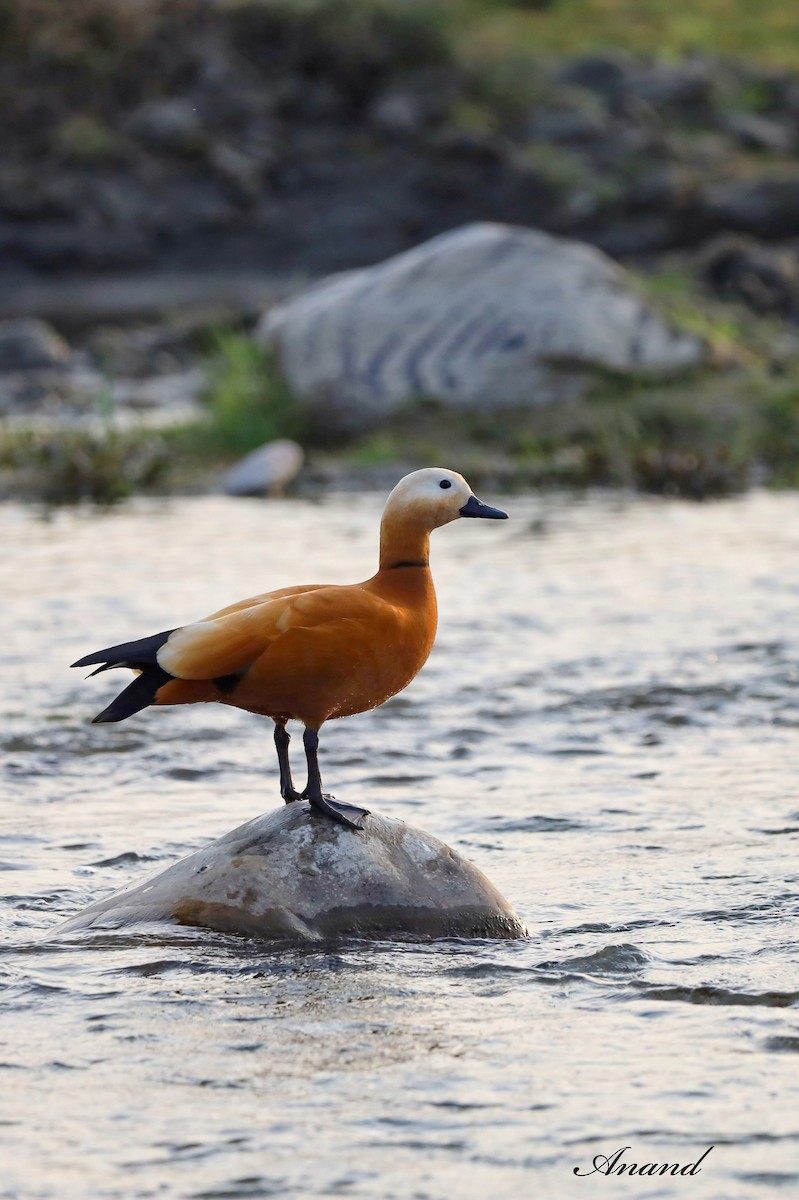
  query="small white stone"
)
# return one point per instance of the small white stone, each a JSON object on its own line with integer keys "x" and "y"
{"x": 266, "y": 471}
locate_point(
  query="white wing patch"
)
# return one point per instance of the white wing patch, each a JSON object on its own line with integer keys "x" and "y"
{"x": 208, "y": 649}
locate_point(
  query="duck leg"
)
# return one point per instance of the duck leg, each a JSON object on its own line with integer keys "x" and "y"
{"x": 282, "y": 739}
{"x": 345, "y": 814}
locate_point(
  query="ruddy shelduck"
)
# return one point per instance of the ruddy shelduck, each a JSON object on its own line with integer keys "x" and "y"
{"x": 313, "y": 652}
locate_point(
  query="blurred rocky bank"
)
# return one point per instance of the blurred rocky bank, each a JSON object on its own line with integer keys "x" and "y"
{"x": 174, "y": 169}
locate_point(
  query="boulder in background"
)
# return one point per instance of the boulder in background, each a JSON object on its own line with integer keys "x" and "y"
{"x": 488, "y": 316}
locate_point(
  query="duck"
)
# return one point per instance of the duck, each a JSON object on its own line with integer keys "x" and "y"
{"x": 309, "y": 653}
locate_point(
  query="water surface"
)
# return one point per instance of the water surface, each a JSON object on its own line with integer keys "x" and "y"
{"x": 608, "y": 726}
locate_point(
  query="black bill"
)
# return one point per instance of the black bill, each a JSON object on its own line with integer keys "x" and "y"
{"x": 475, "y": 508}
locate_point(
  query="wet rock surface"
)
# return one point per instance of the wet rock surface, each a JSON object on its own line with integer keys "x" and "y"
{"x": 295, "y": 875}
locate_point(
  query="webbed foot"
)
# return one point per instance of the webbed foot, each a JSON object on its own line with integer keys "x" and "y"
{"x": 345, "y": 814}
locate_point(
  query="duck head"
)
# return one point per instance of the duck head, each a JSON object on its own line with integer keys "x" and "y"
{"x": 423, "y": 501}
{"x": 435, "y": 496}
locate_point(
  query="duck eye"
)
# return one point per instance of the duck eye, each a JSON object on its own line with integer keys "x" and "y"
{"x": 445, "y": 483}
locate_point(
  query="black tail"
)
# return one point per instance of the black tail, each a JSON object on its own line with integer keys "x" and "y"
{"x": 139, "y": 656}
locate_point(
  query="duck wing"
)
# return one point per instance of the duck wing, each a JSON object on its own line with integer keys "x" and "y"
{"x": 229, "y": 642}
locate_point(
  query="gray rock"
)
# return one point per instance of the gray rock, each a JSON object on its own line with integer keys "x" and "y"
{"x": 399, "y": 111}
{"x": 756, "y": 132}
{"x": 28, "y": 344}
{"x": 664, "y": 189}
{"x": 600, "y": 73}
{"x": 240, "y": 171}
{"x": 293, "y": 874}
{"x": 683, "y": 85}
{"x": 766, "y": 207}
{"x": 177, "y": 391}
{"x": 79, "y": 393}
{"x": 265, "y": 471}
{"x": 85, "y": 245}
{"x": 169, "y": 124}
{"x": 569, "y": 123}
{"x": 486, "y": 316}
{"x": 415, "y": 102}
{"x": 687, "y": 85}
{"x": 766, "y": 278}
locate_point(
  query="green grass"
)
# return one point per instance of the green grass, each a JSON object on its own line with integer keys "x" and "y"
{"x": 102, "y": 464}
{"x": 247, "y": 403}
{"x": 766, "y": 30}
{"x": 413, "y": 32}
{"x": 81, "y": 138}
{"x": 101, "y": 35}
{"x": 736, "y": 334}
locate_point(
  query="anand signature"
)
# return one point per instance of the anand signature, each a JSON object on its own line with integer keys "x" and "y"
{"x": 614, "y": 1164}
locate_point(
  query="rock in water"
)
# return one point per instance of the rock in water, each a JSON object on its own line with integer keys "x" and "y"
{"x": 293, "y": 874}
{"x": 487, "y": 315}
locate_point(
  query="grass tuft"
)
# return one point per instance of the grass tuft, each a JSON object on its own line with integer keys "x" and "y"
{"x": 102, "y": 464}
{"x": 766, "y": 32}
{"x": 247, "y": 403}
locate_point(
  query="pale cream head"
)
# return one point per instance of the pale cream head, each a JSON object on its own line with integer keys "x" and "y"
{"x": 431, "y": 497}
{"x": 423, "y": 501}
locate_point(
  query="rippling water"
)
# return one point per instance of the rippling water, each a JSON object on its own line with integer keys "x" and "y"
{"x": 609, "y": 727}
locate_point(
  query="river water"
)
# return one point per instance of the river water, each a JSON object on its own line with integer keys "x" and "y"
{"x": 608, "y": 726}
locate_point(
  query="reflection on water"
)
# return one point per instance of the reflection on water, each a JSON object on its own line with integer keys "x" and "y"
{"x": 609, "y": 726}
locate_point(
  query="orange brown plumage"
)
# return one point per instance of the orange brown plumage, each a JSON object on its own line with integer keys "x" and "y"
{"x": 313, "y": 652}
